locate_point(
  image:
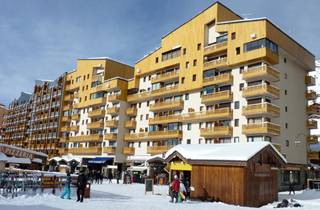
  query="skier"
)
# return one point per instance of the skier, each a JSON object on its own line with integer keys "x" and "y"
{"x": 81, "y": 184}
{"x": 67, "y": 185}
{"x": 175, "y": 188}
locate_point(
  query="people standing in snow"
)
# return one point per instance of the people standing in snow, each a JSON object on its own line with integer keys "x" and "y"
{"x": 182, "y": 191}
{"x": 67, "y": 187}
{"x": 175, "y": 188}
{"x": 81, "y": 185}
{"x": 291, "y": 184}
{"x": 110, "y": 176}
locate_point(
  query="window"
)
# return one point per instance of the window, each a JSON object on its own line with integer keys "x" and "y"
{"x": 186, "y": 97}
{"x": 187, "y": 64}
{"x": 261, "y": 43}
{"x": 88, "y": 75}
{"x": 210, "y": 37}
{"x": 286, "y": 109}
{"x": 285, "y": 60}
{"x": 194, "y": 77}
{"x": 286, "y": 125}
{"x": 78, "y": 79}
{"x": 148, "y": 102}
{"x": 285, "y": 92}
{"x": 233, "y": 35}
{"x": 182, "y": 80}
{"x": 184, "y": 51}
{"x": 147, "y": 116}
{"x": 241, "y": 86}
{"x": 237, "y": 50}
{"x": 139, "y": 144}
{"x": 189, "y": 126}
{"x": 84, "y": 77}
{"x": 236, "y": 139}
{"x": 144, "y": 79}
{"x": 285, "y": 75}
{"x": 236, "y": 105}
{"x": 139, "y": 105}
{"x": 171, "y": 54}
{"x": 287, "y": 143}
{"x": 157, "y": 59}
{"x": 236, "y": 122}
{"x": 141, "y": 117}
{"x": 241, "y": 69}
{"x": 194, "y": 62}
{"x": 188, "y": 141}
{"x": 148, "y": 143}
{"x": 199, "y": 46}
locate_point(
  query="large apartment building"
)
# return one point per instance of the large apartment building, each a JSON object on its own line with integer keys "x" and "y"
{"x": 94, "y": 109}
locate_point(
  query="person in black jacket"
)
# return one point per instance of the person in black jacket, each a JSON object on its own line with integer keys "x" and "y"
{"x": 81, "y": 184}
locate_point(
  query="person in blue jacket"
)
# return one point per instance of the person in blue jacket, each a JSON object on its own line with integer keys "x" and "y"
{"x": 67, "y": 187}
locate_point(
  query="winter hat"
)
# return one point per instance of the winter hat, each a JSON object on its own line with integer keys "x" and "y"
{"x": 175, "y": 177}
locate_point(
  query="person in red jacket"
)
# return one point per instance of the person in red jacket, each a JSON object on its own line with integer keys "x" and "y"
{"x": 175, "y": 187}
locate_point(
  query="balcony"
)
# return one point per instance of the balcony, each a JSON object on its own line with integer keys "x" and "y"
{"x": 87, "y": 138}
{"x": 166, "y": 105}
{"x": 109, "y": 150}
{"x": 74, "y": 128}
{"x": 94, "y": 101}
{"x": 67, "y": 107}
{"x": 115, "y": 98}
{"x": 153, "y": 135}
{"x": 75, "y": 117}
{"x": 312, "y": 124}
{"x": 131, "y": 124}
{"x": 128, "y": 150}
{"x": 65, "y": 128}
{"x": 111, "y": 123}
{"x": 64, "y": 139}
{"x": 132, "y": 111}
{"x": 95, "y": 125}
{"x": 165, "y": 77}
{"x": 311, "y": 95}
{"x": 219, "y": 79}
{"x": 261, "y": 90}
{"x": 66, "y": 119}
{"x": 113, "y": 110}
{"x": 158, "y": 149}
{"x": 85, "y": 151}
{"x": 62, "y": 151}
{"x": 313, "y": 139}
{"x": 217, "y": 131}
{"x": 216, "y": 97}
{"x": 265, "y": 128}
{"x": 215, "y": 63}
{"x": 263, "y": 72}
{"x": 165, "y": 119}
{"x": 313, "y": 109}
{"x": 97, "y": 113}
{"x": 68, "y": 97}
{"x": 216, "y": 114}
{"x": 310, "y": 80}
{"x": 261, "y": 109}
{"x": 139, "y": 96}
{"x": 164, "y": 91}
{"x": 313, "y": 155}
{"x": 110, "y": 136}
{"x": 215, "y": 48}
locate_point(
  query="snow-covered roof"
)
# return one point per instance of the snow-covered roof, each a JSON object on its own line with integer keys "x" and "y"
{"x": 155, "y": 157}
{"x": 23, "y": 149}
{"x": 66, "y": 158}
{"x": 221, "y": 152}
{"x": 5, "y": 158}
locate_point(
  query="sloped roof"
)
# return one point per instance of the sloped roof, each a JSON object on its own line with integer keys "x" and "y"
{"x": 221, "y": 152}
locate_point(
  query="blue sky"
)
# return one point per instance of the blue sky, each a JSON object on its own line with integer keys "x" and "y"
{"x": 42, "y": 39}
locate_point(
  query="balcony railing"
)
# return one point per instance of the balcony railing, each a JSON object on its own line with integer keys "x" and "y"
{"x": 311, "y": 95}
{"x": 313, "y": 109}
{"x": 95, "y": 125}
{"x": 115, "y": 97}
{"x": 260, "y": 90}
{"x": 128, "y": 150}
{"x": 75, "y": 117}
{"x": 165, "y": 76}
{"x": 97, "y": 113}
{"x": 111, "y": 123}
{"x": 158, "y": 149}
{"x": 166, "y": 105}
{"x": 85, "y": 151}
{"x": 261, "y": 72}
{"x": 214, "y": 48}
{"x": 313, "y": 155}
{"x": 131, "y": 124}
{"x": 217, "y": 131}
{"x": 310, "y": 81}
{"x": 220, "y": 96}
{"x": 109, "y": 150}
{"x": 164, "y": 91}
{"x": 215, "y": 63}
{"x": 110, "y": 136}
{"x": 86, "y": 138}
{"x": 219, "y": 79}
{"x": 132, "y": 111}
{"x": 313, "y": 139}
{"x": 113, "y": 110}
{"x": 261, "y": 109}
{"x": 66, "y": 118}
{"x": 139, "y": 96}
{"x": 168, "y": 134}
{"x": 261, "y": 128}
{"x": 312, "y": 124}
{"x": 74, "y": 128}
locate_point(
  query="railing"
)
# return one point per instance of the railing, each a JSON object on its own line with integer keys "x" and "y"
{"x": 114, "y": 97}
{"x": 97, "y": 113}
{"x": 110, "y": 136}
{"x": 222, "y": 78}
{"x": 113, "y": 110}
{"x": 174, "y": 104}
{"x": 313, "y": 139}
{"x": 313, "y": 156}
{"x": 215, "y": 47}
{"x": 154, "y": 135}
{"x": 158, "y": 149}
{"x": 111, "y": 123}
{"x": 95, "y": 125}
{"x": 217, "y": 131}
{"x": 261, "y": 128}
{"x": 313, "y": 124}
{"x": 132, "y": 111}
{"x": 310, "y": 80}
{"x": 164, "y": 90}
{"x": 128, "y": 150}
{"x": 225, "y": 95}
{"x": 130, "y": 124}
{"x": 261, "y": 108}
{"x": 311, "y": 95}
{"x": 85, "y": 151}
{"x": 215, "y": 63}
{"x": 312, "y": 109}
{"x": 92, "y": 137}
{"x": 165, "y": 76}
{"x": 75, "y": 117}
{"x": 262, "y": 89}
{"x": 261, "y": 71}
{"x": 109, "y": 150}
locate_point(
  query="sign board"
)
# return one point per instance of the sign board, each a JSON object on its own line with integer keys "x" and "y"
{"x": 148, "y": 185}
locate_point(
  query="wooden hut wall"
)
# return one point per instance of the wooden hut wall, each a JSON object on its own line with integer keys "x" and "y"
{"x": 219, "y": 183}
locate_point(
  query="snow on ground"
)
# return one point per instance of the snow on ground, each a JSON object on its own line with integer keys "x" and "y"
{"x": 132, "y": 197}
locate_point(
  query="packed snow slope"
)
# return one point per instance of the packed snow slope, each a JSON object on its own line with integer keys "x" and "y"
{"x": 132, "y": 197}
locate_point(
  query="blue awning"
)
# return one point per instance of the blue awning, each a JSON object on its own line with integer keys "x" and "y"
{"x": 99, "y": 160}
